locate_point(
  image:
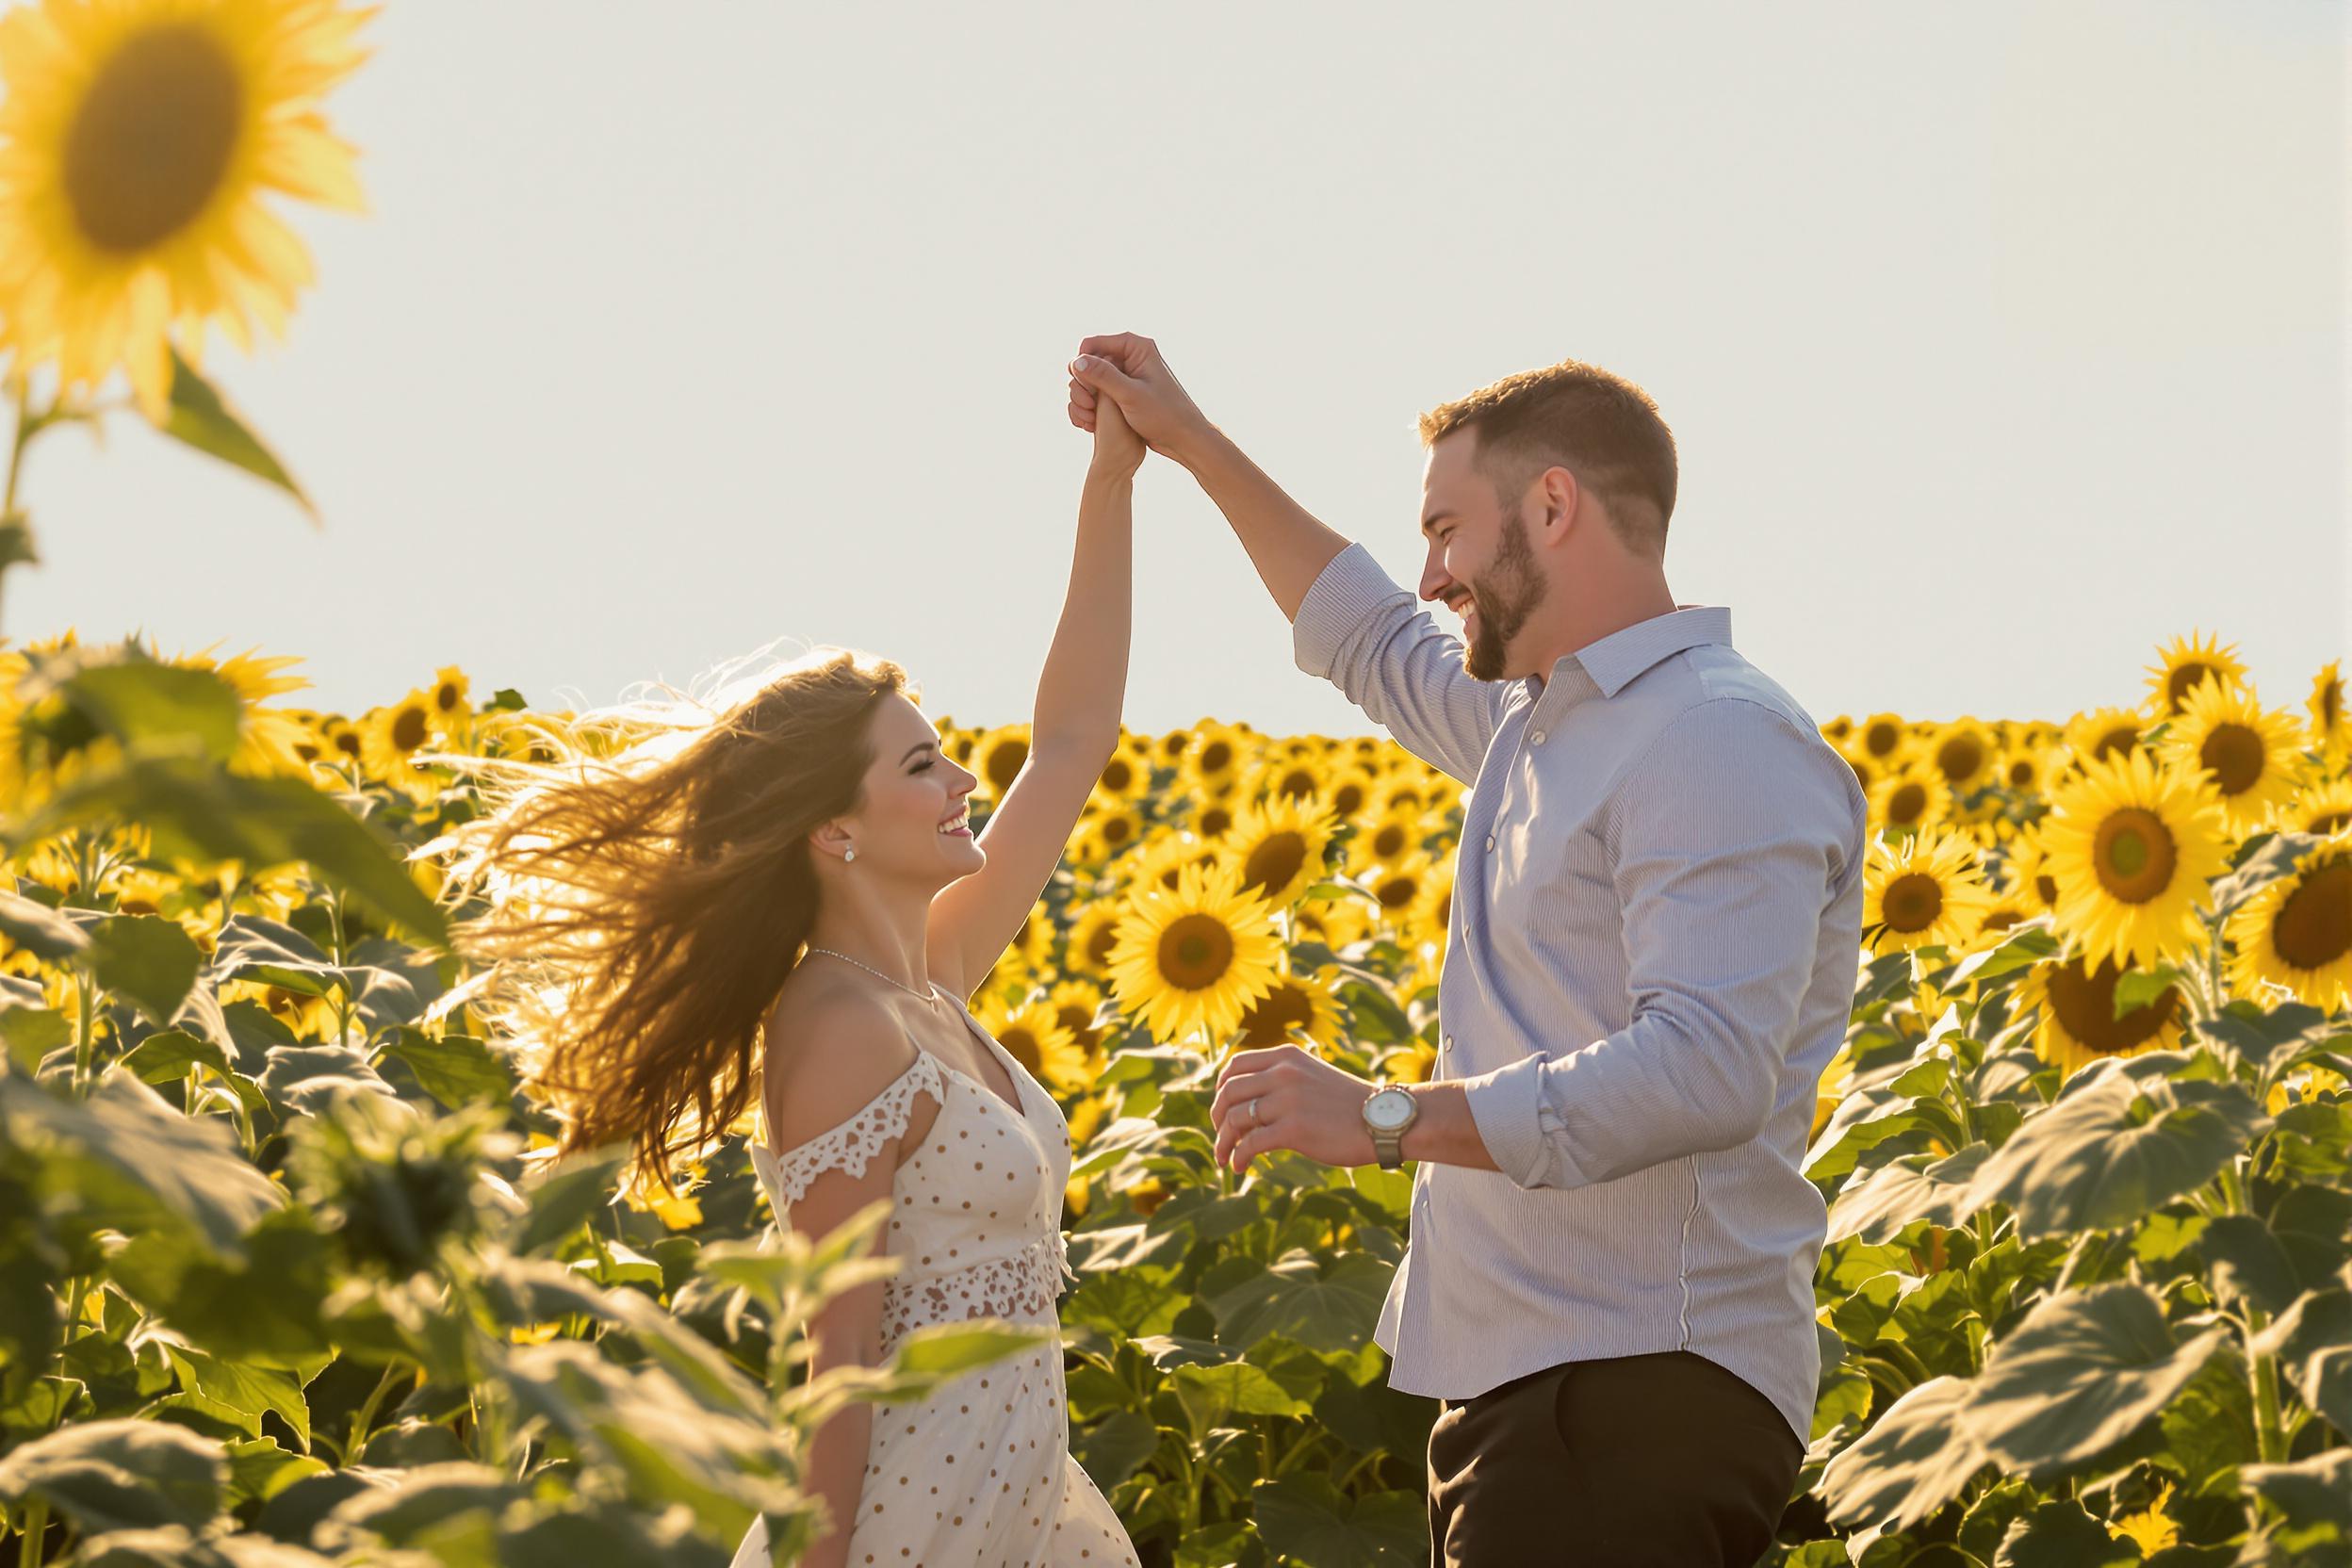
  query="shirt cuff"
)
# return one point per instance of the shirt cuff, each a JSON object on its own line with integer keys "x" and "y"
{"x": 1349, "y": 587}
{"x": 1504, "y": 1105}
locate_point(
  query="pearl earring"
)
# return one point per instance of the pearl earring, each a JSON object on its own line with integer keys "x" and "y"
{"x": 849, "y": 855}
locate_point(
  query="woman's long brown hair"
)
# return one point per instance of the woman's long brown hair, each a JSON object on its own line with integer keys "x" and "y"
{"x": 649, "y": 887}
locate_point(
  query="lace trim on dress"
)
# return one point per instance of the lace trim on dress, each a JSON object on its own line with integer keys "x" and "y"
{"x": 851, "y": 1145}
{"x": 1025, "y": 1285}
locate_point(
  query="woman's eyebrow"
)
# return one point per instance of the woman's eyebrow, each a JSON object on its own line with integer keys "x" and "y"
{"x": 918, "y": 747}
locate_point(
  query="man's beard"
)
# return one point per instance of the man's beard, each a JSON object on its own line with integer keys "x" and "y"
{"x": 1512, "y": 590}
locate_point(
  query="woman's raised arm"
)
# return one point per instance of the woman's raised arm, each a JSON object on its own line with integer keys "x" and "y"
{"x": 1073, "y": 733}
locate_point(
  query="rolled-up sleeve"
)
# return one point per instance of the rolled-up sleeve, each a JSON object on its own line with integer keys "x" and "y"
{"x": 1359, "y": 629}
{"x": 1730, "y": 836}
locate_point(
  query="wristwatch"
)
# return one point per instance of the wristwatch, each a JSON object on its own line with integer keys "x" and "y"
{"x": 1387, "y": 1112}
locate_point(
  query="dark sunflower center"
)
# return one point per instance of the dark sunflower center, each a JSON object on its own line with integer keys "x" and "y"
{"x": 1215, "y": 821}
{"x": 1003, "y": 763}
{"x": 1215, "y": 756}
{"x": 444, "y": 697}
{"x": 2234, "y": 756}
{"x": 2182, "y": 679}
{"x": 1446, "y": 909}
{"x": 1882, "y": 737}
{"x": 1078, "y": 1021}
{"x": 2135, "y": 855}
{"x": 1022, "y": 1046}
{"x": 2046, "y": 888}
{"x": 1116, "y": 830}
{"x": 2119, "y": 740}
{"x": 1274, "y": 862}
{"x": 1298, "y": 783}
{"x": 1912, "y": 901}
{"x": 1099, "y": 945}
{"x": 2001, "y": 920}
{"x": 1119, "y": 775}
{"x": 152, "y": 139}
{"x": 1397, "y": 892}
{"x": 1348, "y": 799}
{"x": 1960, "y": 757}
{"x": 408, "y": 729}
{"x": 2021, "y": 773}
{"x": 1388, "y": 839}
{"x": 2331, "y": 704}
{"x": 1904, "y": 804}
{"x": 2314, "y": 927}
{"x": 1269, "y": 1020}
{"x": 2328, "y": 822}
{"x": 2087, "y": 1007}
{"x": 1194, "y": 952}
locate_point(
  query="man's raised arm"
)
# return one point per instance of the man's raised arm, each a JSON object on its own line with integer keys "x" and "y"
{"x": 1360, "y": 630}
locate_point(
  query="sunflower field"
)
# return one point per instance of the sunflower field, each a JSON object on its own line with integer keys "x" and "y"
{"x": 290, "y": 1272}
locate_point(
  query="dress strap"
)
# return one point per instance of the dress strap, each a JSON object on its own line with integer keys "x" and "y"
{"x": 849, "y": 1145}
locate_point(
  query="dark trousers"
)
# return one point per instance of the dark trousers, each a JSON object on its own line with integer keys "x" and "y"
{"x": 1632, "y": 1462}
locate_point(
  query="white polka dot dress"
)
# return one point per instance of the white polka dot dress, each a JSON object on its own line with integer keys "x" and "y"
{"x": 979, "y": 1475}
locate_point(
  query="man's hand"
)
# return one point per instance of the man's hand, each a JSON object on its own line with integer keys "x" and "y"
{"x": 1129, "y": 371}
{"x": 1303, "y": 1103}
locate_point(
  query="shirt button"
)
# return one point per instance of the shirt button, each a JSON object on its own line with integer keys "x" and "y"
{"x": 1490, "y": 840}
{"x": 1537, "y": 737}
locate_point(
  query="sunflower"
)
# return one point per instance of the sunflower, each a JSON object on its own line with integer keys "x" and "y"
{"x": 1002, "y": 752}
{"x": 136, "y": 141}
{"x": 1348, "y": 791}
{"x": 1921, "y": 888}
{"x": 268, "y": 739}
{"x": 2132, "y": 845}
{"x": 1882, "y": 737}
{"x": 1276, "y": 848}
{"x": 1091, "y": 934}
{"x": 2102, "y": 733}
{"x": 1337, "y": 923}
{"x": 2297, "y": 932}
{"x": 2023, "y": 768}
{"x": 2320, "y": 806}
{"x": 1837, "y": 1078}
{"x": 1117, "y": 830}
{"x": 1213, "y": 764}
{"x": 2330, "y": 730}
{"x": 1212, "y": 819}
{"x": 1191, "y": 961}
{"x": 1399, "y": 885}
{"x": 2186, "y": 664}
{"x": 2078, "y": 1022}
{"x": 1282, "y": 775}
{"x": 450, "y": 691}
{"x": 1836, "y": 730}
{"x": 2025, "y": 871}
{"x": 1910, "y": 798}
{"x": 1125, "y": 776}
{"x": 1388, "y": 839}
{"x": 1074, "y": 1002}
{"x": 1301, "y": 1008}
{"x": 1430, "y": 920}
{"x": 1963, "y": 752}
{"x": 1034, "y": 1037}
{"x": 1170, "y": 750}
{"x": 1864, "y": 771}
{"x": 1166, "y": 853}
{"x": 389, "y": 736}
{"x": 2004, "y": 911}
{"x": 2250, "y": 756}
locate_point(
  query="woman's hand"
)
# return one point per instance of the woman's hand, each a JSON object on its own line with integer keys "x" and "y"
{"x": 1118, "y": 449}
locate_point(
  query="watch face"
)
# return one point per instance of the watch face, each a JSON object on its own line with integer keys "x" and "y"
{"x": 1388, "y": 1108}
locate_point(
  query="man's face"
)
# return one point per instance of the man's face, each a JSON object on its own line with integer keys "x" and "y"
{"x": 1480, "y": 561}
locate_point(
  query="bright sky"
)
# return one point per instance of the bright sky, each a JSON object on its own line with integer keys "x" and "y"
{"x": 2001, "y": 342}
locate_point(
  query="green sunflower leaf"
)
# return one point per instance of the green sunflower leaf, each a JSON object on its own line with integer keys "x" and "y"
{"x": 201, "y": 417}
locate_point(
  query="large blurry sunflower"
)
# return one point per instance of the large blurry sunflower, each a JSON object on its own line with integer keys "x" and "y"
{"x": 1921, "y": 888}
{"x": 1194, "y": 958}
{"x": 136, "y": 141}
{"x": 2320, "y": 806}
{"x": 2078, "y": 1022}
{"x": 2250, "y": 756}
{"x": 2133, "y": 845}
{"x": 2297, "y": 932}
{"x": 1034, "y": 1036}
{"x": 1963, "y": 752}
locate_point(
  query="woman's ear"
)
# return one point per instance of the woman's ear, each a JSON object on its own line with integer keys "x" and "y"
{"x": 831, "y": 838}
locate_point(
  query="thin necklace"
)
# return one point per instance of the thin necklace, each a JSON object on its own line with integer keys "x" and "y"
{"x": 878, "y": 973}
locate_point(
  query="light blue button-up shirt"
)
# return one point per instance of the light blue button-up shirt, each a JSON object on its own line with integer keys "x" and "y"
{"x": 1652, "y": 952}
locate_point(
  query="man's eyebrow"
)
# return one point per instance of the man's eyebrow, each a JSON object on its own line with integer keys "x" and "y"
{"x": 1433, "y": 519}
{"x": 916, "y": 747}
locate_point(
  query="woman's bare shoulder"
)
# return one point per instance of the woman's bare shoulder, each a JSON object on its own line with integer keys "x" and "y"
{"x": 831, "y": 1047}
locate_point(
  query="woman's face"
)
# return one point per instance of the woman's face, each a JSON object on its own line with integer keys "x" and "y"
{"x": 912, "y": 821}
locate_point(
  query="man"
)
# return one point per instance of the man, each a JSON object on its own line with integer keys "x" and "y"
{"x": 1656, "y": 929}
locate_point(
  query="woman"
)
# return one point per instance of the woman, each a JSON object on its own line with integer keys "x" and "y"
{"x": 786, "y": 903}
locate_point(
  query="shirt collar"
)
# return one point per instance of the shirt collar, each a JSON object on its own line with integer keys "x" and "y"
{"x": 1607, "y": 664}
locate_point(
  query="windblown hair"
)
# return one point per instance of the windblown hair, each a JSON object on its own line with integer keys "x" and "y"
{"x": 649, "y": 887}
{"x": 1597, "y": 425}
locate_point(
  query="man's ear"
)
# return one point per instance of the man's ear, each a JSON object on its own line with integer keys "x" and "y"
{"x": 1559, "y": 495}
